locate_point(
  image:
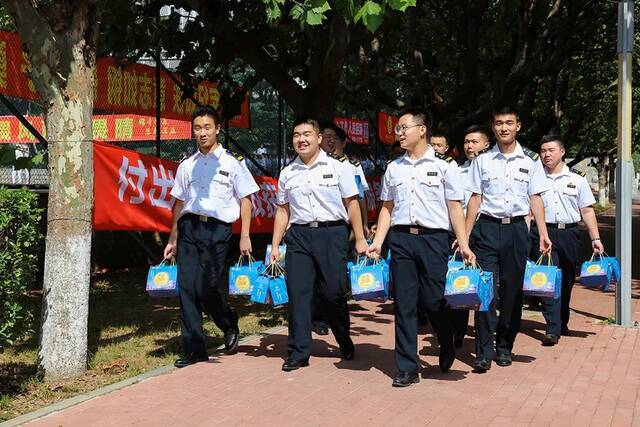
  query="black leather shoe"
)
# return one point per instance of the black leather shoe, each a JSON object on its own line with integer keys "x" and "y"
{"x": 231, "y": 340}
{"x": 550, "y": 340}
{"x": 458, "y": 340}
{"x": 565, "y": 332}
{"x": 447, "y": 356}
{"x": 190, "y": 359}
{"x": 405, "y": 379}
{"x": 348, "y": 351}
{"x": 321, "y": 328}
{"x": 504, "y": 360}
{"x": 481, "y": 366}
{"x": 292, "y": 365}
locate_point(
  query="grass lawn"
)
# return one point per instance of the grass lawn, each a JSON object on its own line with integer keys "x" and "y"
{"x": 129, "y": 333}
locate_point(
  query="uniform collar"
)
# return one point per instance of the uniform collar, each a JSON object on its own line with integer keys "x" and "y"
{"x": 518, "y": 152}
{"x": 217, "y": 152}
{"x": 322, "y": 158}
{"x": 466, "y": 164}
{"x": 430, "y": 154}
{"x": 564, "y": 172}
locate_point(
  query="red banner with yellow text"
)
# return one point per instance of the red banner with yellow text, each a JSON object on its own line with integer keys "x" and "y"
{"x": 386, "y": 127}
{"x": 126, "y": 90}
{"x": 112, "y": 127}
{"x": 131, "y": 192}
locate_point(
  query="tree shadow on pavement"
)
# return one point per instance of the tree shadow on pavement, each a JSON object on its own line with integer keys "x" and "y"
{"x": 531, "y": 328}
{"x": 371, "y": 356}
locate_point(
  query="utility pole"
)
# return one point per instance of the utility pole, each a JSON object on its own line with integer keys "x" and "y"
{"x": 624, "y": 165}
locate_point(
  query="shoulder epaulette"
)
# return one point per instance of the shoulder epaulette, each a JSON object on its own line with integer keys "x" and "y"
{"x": 444, "y": 157}
{"x": 338, "y": 158}
{"x": 577, "y": 172}
{"x": 354, "y": 162}
{"x": 486, "y": 150}
{"x": 390, "y": 160}
{"x": 530, "y": 153}
{"x": 238, "y": 157}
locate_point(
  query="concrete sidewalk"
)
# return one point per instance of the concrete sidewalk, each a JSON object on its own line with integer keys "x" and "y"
{"x": 592, "y": 377}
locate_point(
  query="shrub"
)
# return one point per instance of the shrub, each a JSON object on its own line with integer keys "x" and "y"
{"x": 19, "y": 240}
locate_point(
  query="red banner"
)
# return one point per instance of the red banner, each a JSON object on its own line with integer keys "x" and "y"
{"x": 134, "y": 193}
{"x": 113, "y": 127}
{"x": 132, "y": 89}
{"x": 386, "y": 127}
{"x": 15, "y": 68}
{"x": 357, "y": 130}
{"x": 128, "y": 90}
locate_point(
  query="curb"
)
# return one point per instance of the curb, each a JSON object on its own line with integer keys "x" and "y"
{"x": 72, "y": 401}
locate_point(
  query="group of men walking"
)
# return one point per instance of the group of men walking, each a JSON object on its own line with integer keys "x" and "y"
{"x": 485, "y": 206}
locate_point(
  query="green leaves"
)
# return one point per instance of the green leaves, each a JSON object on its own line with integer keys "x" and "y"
{"x": 371, "y": 14}
{"x": 313, "y": 12}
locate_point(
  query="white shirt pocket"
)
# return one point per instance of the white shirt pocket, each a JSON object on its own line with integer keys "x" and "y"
{"x": 521, "y": 183}
{"x": 492, "y": 184}
{"x": 431, "y": 187}
{"x": 222, "y": 188}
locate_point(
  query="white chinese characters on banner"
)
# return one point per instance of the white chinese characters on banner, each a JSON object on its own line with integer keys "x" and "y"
{"x": 264, "y": 201}
{"x": 132, "y": 179}
{"x": 164, "y": 180}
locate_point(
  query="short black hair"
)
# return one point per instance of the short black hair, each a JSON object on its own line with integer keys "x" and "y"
{"x": 440, "y": 134}
{"x": 504, "y": 110}
{"x": 476, "y": 129}
{"x": 206, "y": 110}
{"x": 306, "y": 120}
{"x": 552, "y": 138}
{"x": 420, "y": 115}
{"x": 340, "y": 133}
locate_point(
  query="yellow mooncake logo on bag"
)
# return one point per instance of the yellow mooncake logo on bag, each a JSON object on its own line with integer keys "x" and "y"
{"x": 593, "y": 268}
{"x": 461, "y": 283}
{"x": 366, "y": 280}
{"x": 538, "y": 279}
{"x": 161, "y": 279}
{"x": 242, "y": 282}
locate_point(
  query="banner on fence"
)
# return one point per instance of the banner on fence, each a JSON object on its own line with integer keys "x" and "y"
{"x": 112, "y": 127}
{"x": 357, "y": 130}
{"x": 386, "y": 127}
{"x": 126, "y": 90}
{"x": 132, "y": 192}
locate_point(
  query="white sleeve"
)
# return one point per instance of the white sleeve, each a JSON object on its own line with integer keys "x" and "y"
{"x": 179, "y": 190}
{"x": 453, "y": 183}
{"x": 282, "y": 197}
{"x": 585, "y": 195}
{"x": 244, "y": 184}
{"x": 538, "y": 183}
{"x": 346, "y": 179}
{"x": 473, "y": 183}
{"x": 363, "y": 178}
{"x": 388, "y": 192}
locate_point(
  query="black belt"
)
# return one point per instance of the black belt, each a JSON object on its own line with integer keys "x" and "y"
{"x": 318, "y": 224}
{"x": 562, "y": 226}
{"x": 205, "y": 218}
{"x": 417, "y": 229}
{"x": 511, "y": 220}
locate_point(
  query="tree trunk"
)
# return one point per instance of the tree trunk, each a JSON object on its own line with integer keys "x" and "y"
{"x": 65, "y": 308}
{"x": 60, "y": 42}
{"x": 603, "y": 176}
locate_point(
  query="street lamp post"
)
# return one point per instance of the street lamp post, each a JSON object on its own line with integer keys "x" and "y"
{"x": 624, "y": 165}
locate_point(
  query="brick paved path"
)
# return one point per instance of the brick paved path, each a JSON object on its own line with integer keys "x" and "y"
{"x": 592, "y": 377}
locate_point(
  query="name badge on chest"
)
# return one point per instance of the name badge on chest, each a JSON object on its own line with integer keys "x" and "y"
{"x": 327, "y": 176}
{"x": 523, "y": 170}
{"x": 432, "y": 173}
{"x": 224, "y": 173}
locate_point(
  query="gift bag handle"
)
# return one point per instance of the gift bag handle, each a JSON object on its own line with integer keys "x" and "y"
{"x": 171, "y": 259}
{"x": 594, "y": 255}
{"x": 539, "y": 262}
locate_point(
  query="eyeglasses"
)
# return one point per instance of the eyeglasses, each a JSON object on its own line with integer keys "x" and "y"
{"x": 402, "y": 129}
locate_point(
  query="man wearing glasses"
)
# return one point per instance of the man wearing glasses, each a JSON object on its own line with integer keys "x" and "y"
{"x": 421, "y": 192}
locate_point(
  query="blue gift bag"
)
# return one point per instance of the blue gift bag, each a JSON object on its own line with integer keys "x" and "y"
{"x": 542, "y": 280}
{"x": 596, "y": 272}
{"x": 486, "y": 290}
{"x": 462, "y": 288}
{"x": 614, "y": 265}
{"x": 162, "y": 280}
{"x": 270, "y": 286}
{"x": 369, "y": 279}
{"x": 243, "y": 274}
{"x": 278, "y": 290}
{"x": 455, "y": 263}
{"x": 283, "y": 252}
{"x": 260, "y": 292}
